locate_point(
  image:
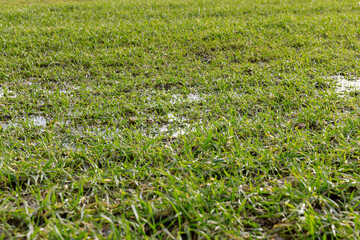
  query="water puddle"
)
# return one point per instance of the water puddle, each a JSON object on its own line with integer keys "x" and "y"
{"x": 195, "y": 97}
{"x": 171, "y": 118}
{"x": 175, "y": 127}
{"x": 346, "y": 84}
{"x": 173, "y": 131}
{"x": 107, "y": 133}
{"x": 235, "y": 95}
{"x": 192, "y": 97}
{"x": 8, "y": 125}
{"x": 38, "y": 121}
{"x": 7, "y": 93}
{"x": 179, "y": 132}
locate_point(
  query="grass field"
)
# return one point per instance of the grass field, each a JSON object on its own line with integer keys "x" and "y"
{"x": 179, "y": 119}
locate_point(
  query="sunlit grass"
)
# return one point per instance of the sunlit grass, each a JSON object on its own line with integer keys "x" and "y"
{"x": 178, "y": 120}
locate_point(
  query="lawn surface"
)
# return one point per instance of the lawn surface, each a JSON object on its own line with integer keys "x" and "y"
{"x": 179, "y": 119}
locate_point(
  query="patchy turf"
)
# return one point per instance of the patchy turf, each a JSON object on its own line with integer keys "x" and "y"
{"x": 179, "y": 119}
